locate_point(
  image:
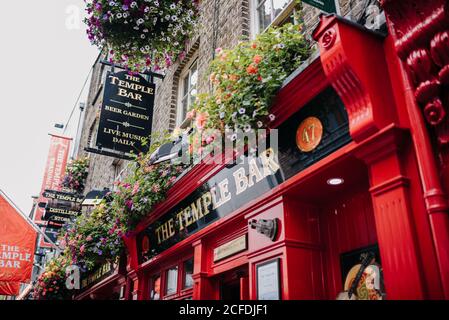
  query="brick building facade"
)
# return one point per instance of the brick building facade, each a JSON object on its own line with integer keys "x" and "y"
{"x": 223, "y": 23}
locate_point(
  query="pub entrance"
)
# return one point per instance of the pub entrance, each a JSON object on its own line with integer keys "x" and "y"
{"x": 335, "y": 234}
{"x": 233, "y": 285}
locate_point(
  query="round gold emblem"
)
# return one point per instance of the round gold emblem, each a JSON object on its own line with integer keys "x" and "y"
{"x": 309, "y": 134}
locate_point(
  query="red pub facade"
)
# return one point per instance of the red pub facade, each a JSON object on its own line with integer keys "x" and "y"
{"x": 375, "y": 181}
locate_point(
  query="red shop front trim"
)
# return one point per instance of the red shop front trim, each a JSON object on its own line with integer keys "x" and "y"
{"x": 380, "y": 204}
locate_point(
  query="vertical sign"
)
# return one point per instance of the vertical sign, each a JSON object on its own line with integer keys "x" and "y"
{"x": 324, "y": 5}
{"x": 17, "y": 244}
{"x": 126, "y": 114}
{"x": 54, "y": 173}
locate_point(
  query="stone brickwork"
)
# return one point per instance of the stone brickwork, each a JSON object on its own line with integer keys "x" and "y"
{"x": 223, "y": 23}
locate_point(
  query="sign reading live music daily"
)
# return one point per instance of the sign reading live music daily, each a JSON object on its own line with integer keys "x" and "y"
{"x": 127, "y": 113}
{"x": 236, "y": 185}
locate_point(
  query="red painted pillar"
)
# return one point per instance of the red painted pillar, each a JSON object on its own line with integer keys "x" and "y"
{"x": 421, "y": 37}
{"x": 393, "y": 215}
{"x": 355, "y": 62}
{"x": 203, "y": 287}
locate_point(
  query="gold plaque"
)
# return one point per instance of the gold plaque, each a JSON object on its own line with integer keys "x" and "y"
{"x": 309, "y": 134}
{"x": 228, "y": 249}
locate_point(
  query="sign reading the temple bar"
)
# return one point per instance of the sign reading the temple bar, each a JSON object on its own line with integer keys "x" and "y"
{"x": 237, "y": 184}
{"x": 324, "y": 5}
{"x": 99, "y": 274}
{"x": 62, "y": 196}
{"x": 126, "y": 114}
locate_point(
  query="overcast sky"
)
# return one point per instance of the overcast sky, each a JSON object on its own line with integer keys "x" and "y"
{"x": 45, "y": 57}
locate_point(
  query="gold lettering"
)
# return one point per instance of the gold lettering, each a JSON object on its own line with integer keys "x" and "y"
{"x": 207, "y": 201}
{"x": 187, "y": 216}
{"x": 225, "y": 195}
{"x": 254, "y": 172}
{"x": 241, "y": 181}
{"x": 179, "y": 217}
{"x": 197, "y": 210}
{"x": 270, "y": 166}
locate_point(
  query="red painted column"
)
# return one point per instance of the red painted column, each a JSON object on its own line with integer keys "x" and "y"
{"x": 421, "y": 35}
{"x": 393, "y": 215}
{"x": 203, "y": 288}
{"x": 355, "y": 62}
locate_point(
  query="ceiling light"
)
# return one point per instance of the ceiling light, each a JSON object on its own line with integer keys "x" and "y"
{"x": 335, "y": 181}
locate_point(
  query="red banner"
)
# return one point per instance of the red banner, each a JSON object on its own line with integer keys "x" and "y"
{"x": 54, "y": 173}
{"x": 9, "y": 288}
{"x": 17, "y": 244}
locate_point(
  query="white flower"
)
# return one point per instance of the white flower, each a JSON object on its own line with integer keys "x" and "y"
{"x": 272, "y": 117}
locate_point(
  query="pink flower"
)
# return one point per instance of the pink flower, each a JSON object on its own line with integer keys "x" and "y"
{"x": 191, "y": 114}
{"x": 136, "y": 188}
{"x": 210, "y": 139}
{"x": 129, "y": 204}
{"x": 201, "y": 119}
{"x": 156, "y": 188}
{"x": 82, "y": 249}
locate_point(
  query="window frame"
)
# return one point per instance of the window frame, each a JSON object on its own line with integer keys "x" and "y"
{"x": 184, "y": 274}
{"x": 165, "y": 287}
{"x": 255, "y": 22}
{"x": 186, "y": 72}
{"x": 288, "y": 10}
{"x": 151, "y": 286}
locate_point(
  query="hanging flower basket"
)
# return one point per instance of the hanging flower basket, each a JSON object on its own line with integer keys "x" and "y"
{"x": 76, "y": 174}
{"x": 141, "y": 33}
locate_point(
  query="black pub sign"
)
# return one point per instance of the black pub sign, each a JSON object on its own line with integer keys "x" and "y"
{"x": 237, "y": 184}
{"x": 62, "y": 196}
{"x": 126, "y": 114}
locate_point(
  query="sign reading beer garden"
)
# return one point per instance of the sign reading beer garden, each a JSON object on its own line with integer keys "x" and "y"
{"x": 127, "y": 113}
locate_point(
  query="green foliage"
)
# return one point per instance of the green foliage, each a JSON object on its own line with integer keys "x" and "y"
{"x": 247, "y": 78}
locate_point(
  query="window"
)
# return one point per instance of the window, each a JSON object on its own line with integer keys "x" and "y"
{"x": 272, "y": 12}
{"x": 171, "y": 286}
{"x": 187, "y": 91}
{"x": 155, "y": 288}
{"x": 188, "y": 272}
